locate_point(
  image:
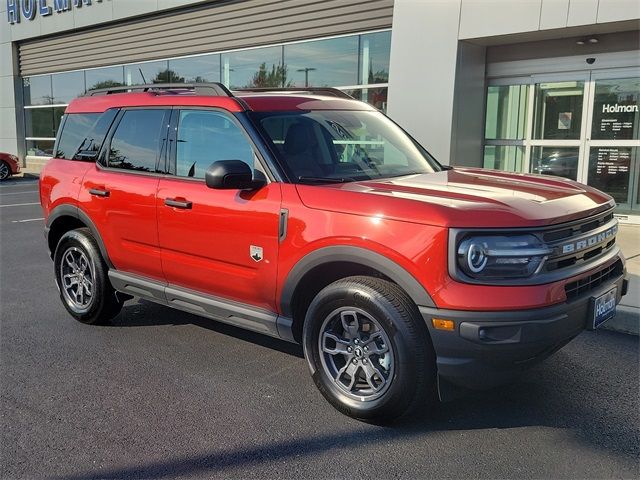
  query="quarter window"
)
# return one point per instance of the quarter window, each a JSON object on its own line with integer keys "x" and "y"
{"x": 137, "y": 140}
{"x": 205, "y": 137}
{"x": 83, "y": 132}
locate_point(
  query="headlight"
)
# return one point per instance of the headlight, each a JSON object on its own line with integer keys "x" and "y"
{"x": 501, "y": 256}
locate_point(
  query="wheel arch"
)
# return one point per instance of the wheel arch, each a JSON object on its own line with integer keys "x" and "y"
{"x": 326, "y": 265}
{"x": 64, "y": 218}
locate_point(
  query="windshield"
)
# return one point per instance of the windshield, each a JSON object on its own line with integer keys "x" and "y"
{"x": 340, "y": 146}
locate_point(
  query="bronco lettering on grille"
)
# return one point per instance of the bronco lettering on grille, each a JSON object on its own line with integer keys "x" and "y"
{"x": 591, "y": 241}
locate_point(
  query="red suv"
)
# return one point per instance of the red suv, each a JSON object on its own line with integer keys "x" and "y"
{"x": 314, "y": 218}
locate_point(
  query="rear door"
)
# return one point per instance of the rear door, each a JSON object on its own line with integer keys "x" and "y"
{"x": 119, "y": 192}
{"x": 220, "y": 242}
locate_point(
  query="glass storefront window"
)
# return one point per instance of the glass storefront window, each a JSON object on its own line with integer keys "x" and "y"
{"x": 108, "y": 77}
{"x": 323, "y": 63}
{"x": 615, "y": 110}
{"x": 256, "y": 68}
{"x": 37, "y": 90}
{"x": 146, "y": 73}
{"x": 204, "y": 68}
{"x": 375, "y": 52}
{"x": 374, "y": 96}
{"x": 506, "y": 112}
{"x": 558, "y": 161}
{"x": 67, "y": 86}
{"x": 610, "y": 170}
{"x": 558, "y": 110}
{"x": 40, "y": 148}
{"x": 39, "y": 122}
{"x": 508, "y": 158}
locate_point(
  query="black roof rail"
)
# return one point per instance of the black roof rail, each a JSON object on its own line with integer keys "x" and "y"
{"x": 208, "y": 89}
{"x": 331, "y": 92}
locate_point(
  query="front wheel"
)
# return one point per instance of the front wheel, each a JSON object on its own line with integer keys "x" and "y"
{"x": 81, "y": 276}
{"x": 368, "y": 349}
{"x": 5, "y": 171}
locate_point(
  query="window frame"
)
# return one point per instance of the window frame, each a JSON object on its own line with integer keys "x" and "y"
{"x": 170, "y": 162}
{"x": 102, "y": 161}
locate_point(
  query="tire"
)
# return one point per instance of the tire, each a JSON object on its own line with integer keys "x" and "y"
{"x": 77, "y": 261}
{"x": 5, "y": 170}
{"x": 383, "y": 370}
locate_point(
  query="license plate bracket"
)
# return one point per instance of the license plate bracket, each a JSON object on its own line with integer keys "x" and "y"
{"x": 603, "y": 308}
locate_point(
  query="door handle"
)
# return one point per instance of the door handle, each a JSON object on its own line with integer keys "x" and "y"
{"x": 172, "y": 202}
{"x": 99, "y": 192}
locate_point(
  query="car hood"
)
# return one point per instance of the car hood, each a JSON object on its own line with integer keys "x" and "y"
{"x": 463, "y": 197}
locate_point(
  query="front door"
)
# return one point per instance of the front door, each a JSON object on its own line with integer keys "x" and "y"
{"x": 219, "y": 242}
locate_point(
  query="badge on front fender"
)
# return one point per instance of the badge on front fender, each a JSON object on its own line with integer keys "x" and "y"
{"x": 256, "y": 253}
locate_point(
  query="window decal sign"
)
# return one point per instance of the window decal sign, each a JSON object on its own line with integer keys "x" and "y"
{"x": 17, "y": 9}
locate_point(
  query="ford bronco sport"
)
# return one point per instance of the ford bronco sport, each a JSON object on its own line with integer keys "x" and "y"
{"x": 312, "y": 217}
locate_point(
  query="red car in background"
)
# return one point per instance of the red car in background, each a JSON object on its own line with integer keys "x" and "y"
{"x": 9, "y": 165}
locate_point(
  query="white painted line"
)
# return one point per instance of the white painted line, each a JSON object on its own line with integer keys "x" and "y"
{"x": 27, "y": 220}
{"x": 20, "y": 204}
{"x": 19, "y": 193}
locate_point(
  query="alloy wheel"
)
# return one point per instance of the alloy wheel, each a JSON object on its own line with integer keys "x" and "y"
{"x": 356, "y": 353}
{"x": 77, "y": 279}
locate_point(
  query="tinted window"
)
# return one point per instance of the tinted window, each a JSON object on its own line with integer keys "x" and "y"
{"x": 136, "y": 142}
{"x": 205, "y": 137}
{"x": 204, "y": 68}
{"x": 83, "y": 132}
{"x": 108, "y": 77}
{"x": 322, "y": 63}
{"x": 67, "y": 86}
{"x": 37, "y": 90}
{"x": 342, "y": 145}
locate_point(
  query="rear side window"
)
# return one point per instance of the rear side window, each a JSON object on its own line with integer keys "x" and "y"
{"x": 136, "y": 142}
{"x": 82, "y": 135}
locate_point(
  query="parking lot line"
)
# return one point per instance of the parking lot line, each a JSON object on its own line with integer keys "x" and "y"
{"x": 19, "y": 193}
{"x": 20, "y": 204}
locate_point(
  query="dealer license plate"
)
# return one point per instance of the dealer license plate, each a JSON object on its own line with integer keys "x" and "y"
{"x": 604, "y": 307}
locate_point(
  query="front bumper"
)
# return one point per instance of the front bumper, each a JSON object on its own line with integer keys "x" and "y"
{"x": 490, "y": 348}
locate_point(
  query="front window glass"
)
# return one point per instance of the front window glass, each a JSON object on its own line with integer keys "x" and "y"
{"x": 558, "y": 110}
{"x": 506, "y": 117}
{"x": 375, "y": 51}
{"x": 37, "y": 90}
{"x": 136, "y": 142}
{"x": 610, "y": 170}
{"x": 146, "y": 73}
{"x": 558, "y": 161}
{"x": 67, "y": 86}
{"x": 108, "y": 77}
{"x": 205, "y": 137}
{"x": 40, "y": 148}
{"x": 322, "y": 63}
{"x": 257, "y": 68}
{"x": 204, "y": 68}
{"x": 342, "y": 145}
{"x": 615, "y": 110}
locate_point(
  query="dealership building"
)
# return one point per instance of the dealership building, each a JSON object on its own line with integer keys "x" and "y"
{"x": 541, "y": 86}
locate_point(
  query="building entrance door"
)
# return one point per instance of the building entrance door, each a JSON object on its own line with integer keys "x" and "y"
{"x": 579, "y": 125}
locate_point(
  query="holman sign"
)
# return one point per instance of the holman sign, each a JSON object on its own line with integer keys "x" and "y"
{"x": 29, "y": 8}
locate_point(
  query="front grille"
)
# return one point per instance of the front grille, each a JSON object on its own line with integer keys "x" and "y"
{"x": 580, "y": 242}
{"x": 593, "y": 281}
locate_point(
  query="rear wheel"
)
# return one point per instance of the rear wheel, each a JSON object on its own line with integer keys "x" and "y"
{"x": 5, "y": 170}
{"x": 81, "y": 276}
{"x": 368, "y": 350}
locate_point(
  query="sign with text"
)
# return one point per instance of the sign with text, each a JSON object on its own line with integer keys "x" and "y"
{"x": 28, "y": 9}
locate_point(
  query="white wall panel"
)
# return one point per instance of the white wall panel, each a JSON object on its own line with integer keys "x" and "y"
{"x": 582, "y": 12}
{"x": 422, "y": 79}
{"x": 615, "y": 10}
{"x": 481, "y": 18}
{"x": 554, "y": 14}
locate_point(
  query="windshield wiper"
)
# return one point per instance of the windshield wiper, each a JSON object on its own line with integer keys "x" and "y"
{"x": 304, "y": 179}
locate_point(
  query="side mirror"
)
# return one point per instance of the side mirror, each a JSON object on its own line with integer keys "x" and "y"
{"x": 231, "y": 175}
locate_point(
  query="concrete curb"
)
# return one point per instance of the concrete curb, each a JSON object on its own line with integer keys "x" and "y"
{"x": 627, "y": 320}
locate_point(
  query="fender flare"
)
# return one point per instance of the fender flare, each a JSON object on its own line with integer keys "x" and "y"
{"x": 358, "y": 255}
{"x": 66, "y": 210}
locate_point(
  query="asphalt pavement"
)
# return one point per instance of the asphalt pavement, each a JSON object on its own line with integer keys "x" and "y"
{"x": 164, "y": 394}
